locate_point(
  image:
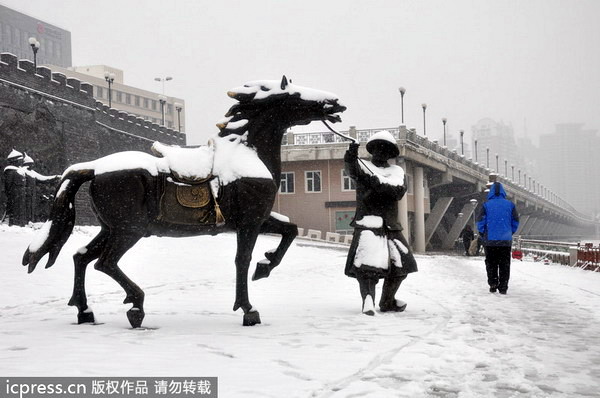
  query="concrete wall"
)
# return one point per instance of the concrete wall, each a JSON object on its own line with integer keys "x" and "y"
{"x": 58, "y": 122}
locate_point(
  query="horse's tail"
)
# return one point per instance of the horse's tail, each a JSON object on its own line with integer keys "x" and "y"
{"x": 55, "y": 232}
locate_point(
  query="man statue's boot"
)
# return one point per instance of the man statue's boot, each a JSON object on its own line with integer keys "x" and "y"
{"x": 367, "y": 292}
{"x": 388, "y": 302}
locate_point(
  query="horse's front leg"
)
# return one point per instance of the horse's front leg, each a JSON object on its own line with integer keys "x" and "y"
{"x": 246, "y": 239}
{"x": 288, "y": 232}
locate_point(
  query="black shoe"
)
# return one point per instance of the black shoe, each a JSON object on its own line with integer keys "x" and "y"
{"x": 493, "y": 289}
{"x": 502, "y": 291}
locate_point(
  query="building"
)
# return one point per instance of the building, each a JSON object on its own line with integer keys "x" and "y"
{"x": 315, "y": 191}
{"x": 138, "y": 102}
{"x": 570, "y": 165}
{"x": 15, "y": 30}
{"x": 496, "y": 148}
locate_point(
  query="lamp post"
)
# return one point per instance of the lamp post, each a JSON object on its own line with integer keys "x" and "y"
{"x": 35, "y": 46}
{"x": 512, "y": 168}
{"x": 462, "y": 144}
{"x": 519, "y": 176}
{"x": 487, "y": 157}
{"x": 163, "y": 100}
{"x": 163, "y": 80}
{"x": 178, "y": 107}
{"x": 497, "y": 167}
{"x": 402, "y": 90}
{"x": 424, "y": 106}
{"x": 505, "y": 168}
{"x": 110, "y": 78}
{"x": 475, "y": 151}
{"x": 444, "y": 120}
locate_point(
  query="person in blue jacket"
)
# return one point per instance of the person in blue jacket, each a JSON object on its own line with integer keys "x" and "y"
{"x": 497, "y": 222}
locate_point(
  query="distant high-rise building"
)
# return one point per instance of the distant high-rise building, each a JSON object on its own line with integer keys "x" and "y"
{"x": 570, "y": 165}
{"x": 499, "y": 138}
{"x": 16, "y": 28}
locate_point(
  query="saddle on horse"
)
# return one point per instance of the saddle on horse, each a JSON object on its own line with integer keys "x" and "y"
{"x": 186, "y": 194}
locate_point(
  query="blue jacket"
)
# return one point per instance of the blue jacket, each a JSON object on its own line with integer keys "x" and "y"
{"x": 498, "y": 219}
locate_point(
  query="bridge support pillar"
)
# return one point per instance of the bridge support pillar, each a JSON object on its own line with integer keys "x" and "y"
{"x": 419, "y": 197}
{"x": 522, "y": 221}
{"x": 458, "y": 225}
{"x": 528, "y": 228}
{"x": 542, "y": 228}
{"x": 403, "y": 217}
{"x": 436, "y": 215}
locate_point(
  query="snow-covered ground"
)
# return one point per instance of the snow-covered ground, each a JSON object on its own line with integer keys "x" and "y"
{"x": 454, "y": 340}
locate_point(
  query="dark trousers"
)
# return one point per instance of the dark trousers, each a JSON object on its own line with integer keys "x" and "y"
{"x": 497, "y": 265}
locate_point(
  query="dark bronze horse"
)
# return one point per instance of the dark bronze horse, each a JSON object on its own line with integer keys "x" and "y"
{"x": 125, "y": 197}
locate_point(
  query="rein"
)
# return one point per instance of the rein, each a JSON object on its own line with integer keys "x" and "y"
{"x": 354, "y": 140}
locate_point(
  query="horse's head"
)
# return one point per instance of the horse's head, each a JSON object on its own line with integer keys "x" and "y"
{"x": 282, "y": 103}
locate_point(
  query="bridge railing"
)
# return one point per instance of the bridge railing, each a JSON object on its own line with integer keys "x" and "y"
{"x": 432, "y": 148}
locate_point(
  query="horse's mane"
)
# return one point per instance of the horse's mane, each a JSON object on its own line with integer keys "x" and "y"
{"x": 233, "y": 123}
{"x": 251, "y": 96}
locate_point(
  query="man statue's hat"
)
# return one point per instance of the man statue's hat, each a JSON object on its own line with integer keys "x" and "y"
{"x": 14, "y": 154}
{"x": 27, "y": 159}
{"x": 384, "y": 138}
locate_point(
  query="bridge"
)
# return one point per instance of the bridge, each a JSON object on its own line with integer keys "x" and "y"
{"x": 446, "y": 189}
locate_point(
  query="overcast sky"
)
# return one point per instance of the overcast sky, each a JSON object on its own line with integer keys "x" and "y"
{"x": 530, "y": 63}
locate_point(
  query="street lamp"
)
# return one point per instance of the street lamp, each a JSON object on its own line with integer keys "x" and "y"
{"x": 487, "y": 157}
{"x": 424, "y": 106}
{"x": 444, "y": 120}
{"x": 35, "y": 46}
{"x": 163, "y": 80}
{"x": 402, "y": 90}
{"x": 512, "y": 167}
{"x": 475, "y": 151}
{"x": 179, "y": 107}
{"x": 505, "y": 168}
{"x": 110, "y": 78}
{"x": 519, "y": 177}
{"x": 462, "y": 146}
{"x": 163, "y": 100}
{"x": 497, "y": 167}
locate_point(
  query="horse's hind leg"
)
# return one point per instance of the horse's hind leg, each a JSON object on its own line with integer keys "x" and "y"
{"x": 288, "y": 232}
{"x": 82, "y": 258}
{"x": 246, "y": 239}
{"x": 116, "y": 246}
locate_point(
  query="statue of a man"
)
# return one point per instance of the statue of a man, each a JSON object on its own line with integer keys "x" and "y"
{"x": 39, "y": 191}
{"x": 14, "y": 187}
{"x": 378, "y": 248}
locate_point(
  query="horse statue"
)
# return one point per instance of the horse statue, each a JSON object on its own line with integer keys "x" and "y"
{"x": 228, "y": 185}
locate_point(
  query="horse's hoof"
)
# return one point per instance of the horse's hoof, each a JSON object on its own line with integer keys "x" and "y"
{"x": 263, "y": 270}
{"x": 85, "y": 317}
{"x": 135, "y": 317}
{"x": 251, "y": 318}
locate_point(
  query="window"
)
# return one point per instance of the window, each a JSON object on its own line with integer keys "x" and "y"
{"x": 313, "y": 181}
{"x": 136, "y": 100}
{"x": 169, "y": 109}
{"x": 99, "y": 92}
{"x": 153, "y": 102}
{"x": 348, "y": 183}
{"x": 119, "y": 96}
{"x": 146, "y": 103}
{"x": 128, "y": 99}
{"x": 342, "y": 221}
{"x": 408, "y": 183}
{"x": 287, "y": 183}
